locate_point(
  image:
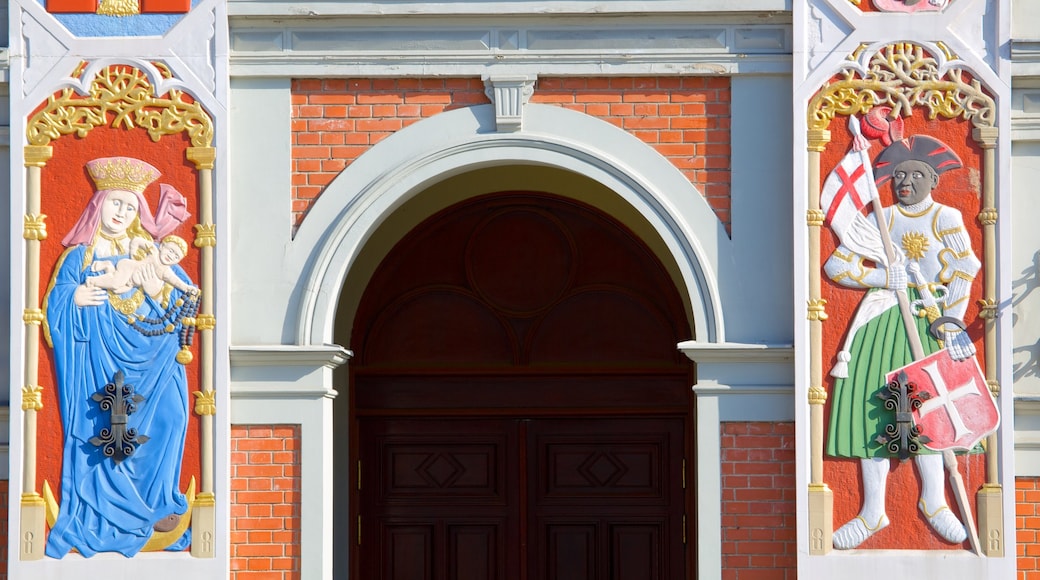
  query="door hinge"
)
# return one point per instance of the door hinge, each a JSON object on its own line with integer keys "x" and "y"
{"x": 684, "y": 473}
{"x": 359, "y": 475}
{"x": 684, "y": 529}
{"x": 359, "y": 531}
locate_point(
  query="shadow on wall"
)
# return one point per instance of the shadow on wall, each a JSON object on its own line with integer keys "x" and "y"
{"x": 1027, "y": 358}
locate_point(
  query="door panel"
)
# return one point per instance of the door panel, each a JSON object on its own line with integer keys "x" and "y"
{"x": 613, "y": 488}
{"x": 440, "y": 499}
{"x": 448, "y": 499}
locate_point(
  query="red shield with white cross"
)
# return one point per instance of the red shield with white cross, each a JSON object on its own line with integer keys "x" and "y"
{"x": 957, "y": 409}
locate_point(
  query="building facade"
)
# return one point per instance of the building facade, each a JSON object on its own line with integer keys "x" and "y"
{"x": 502, "y": 290}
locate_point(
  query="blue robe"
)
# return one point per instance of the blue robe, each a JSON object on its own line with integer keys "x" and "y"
{"x": 109, "y": 507}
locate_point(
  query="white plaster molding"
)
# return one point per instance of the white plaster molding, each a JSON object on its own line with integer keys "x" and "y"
{"x": 285, "y": 371}
{"x": 709, "y": 352}
{"x": 326, "y": 8}
{"x": 959, "y": 26}
{"x": 751, "y": 382}
{"x": 1027, "y": 435}
{"x": 402, "y": 165}
{"x": 192, "y": 48}
{"x": 324, "y": 355}
{"x": 543, "y": 46}
{"x": 292, "y": 385}
{"x": 1025, "y": 109}
{"x": 1025, "y": 59}
{"x": 509, "y": 95}
{"x": 735, "y": 382}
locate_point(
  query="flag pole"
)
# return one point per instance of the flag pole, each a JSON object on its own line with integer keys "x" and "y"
{"x": 916, "y": 348}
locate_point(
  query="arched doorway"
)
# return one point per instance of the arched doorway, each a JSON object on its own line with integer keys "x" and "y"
{"x": 519, "y": 409}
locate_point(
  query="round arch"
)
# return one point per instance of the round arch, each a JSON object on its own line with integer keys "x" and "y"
{"x": 365, "y": 194}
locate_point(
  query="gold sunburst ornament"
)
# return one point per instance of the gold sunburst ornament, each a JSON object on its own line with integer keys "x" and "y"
{"x": 915, "y": 244}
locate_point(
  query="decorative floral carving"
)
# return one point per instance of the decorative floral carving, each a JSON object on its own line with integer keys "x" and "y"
{"x": 903, "y": 76}
{"x": 120, "y": 96}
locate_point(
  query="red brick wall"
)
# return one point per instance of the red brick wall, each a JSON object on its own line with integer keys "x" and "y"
{"x": 1027, "y": 524}
{"x": 336, "y": 120}
{"x": 686, "y": 119}
{"x": 759, "y": 540}
{"x": 265, "y": 502}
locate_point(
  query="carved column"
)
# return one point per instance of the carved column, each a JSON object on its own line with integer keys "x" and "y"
{"x": 204, "y": 514}
{"x": 821, "y": 499}
{"x": 33, "y": 513}
{"x": 990, "y": 497}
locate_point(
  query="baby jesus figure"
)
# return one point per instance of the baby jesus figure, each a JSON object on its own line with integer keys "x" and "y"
{"x": 148, "y": 272}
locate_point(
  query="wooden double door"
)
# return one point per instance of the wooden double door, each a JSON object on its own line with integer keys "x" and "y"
{"x": 519, "y": 409}
{"x": 511, "y": 498}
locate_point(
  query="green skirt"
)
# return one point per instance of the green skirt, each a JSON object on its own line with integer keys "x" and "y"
{"x": 858, "y": 416}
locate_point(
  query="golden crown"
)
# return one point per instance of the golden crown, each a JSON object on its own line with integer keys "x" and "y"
{"x": 125, "y": 173}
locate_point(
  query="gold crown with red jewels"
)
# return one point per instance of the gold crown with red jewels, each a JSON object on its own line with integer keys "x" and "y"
{"x": 124, "y": 173}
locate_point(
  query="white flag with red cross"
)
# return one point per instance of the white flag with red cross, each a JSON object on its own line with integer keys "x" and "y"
{"x": 846, "y": 192}
{"x": 957, "y": 409}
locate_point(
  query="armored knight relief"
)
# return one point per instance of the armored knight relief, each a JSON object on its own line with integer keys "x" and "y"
{"x": 902, "y": 304}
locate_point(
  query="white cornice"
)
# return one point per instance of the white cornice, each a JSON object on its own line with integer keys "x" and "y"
{"x": 282, "y": 355}
{"x": 546, "y": 45}
{"x": 734, "y": 352}
{"x": 326, "y": 8}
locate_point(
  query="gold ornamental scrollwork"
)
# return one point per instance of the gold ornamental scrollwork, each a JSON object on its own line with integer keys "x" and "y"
{"x": 120, "y": 96}
{"x": 903, "y": 76}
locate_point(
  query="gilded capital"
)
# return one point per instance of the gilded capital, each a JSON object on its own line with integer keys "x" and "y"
{"x": 37, "y": 155}
{"x": 205, "y": 235}
{"x": 205, "y": 322}
{"x": 34, "y": 227}
{"x": 818, "y": 139}
{"x": 33, "y": 317}
{"x": 994, "y": 387}
{"x": 987, "y": 308}
{"x": 988, "y": 216}
{"x": 202, "y": 157}
{"x": 817, "y": 309}
{"x": 817, "y": 395}
{"x": 32, "y": 398}
{"x": 205, "y": 402}
{"x": 986, "y": 137}
{"x": 814, "y": 217}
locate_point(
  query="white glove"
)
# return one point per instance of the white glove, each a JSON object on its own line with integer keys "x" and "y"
{"x": 896, "y": 277}
{"x": 959, "y": 344}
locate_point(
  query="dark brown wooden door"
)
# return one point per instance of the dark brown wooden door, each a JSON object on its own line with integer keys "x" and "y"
{"x": 606, "y": 499}
{"x": 519, "y": 410}
{"x": 451, "y": 499}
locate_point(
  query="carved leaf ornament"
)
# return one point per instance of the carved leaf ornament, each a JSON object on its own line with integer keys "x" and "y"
{"x": 903, "y": 76}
